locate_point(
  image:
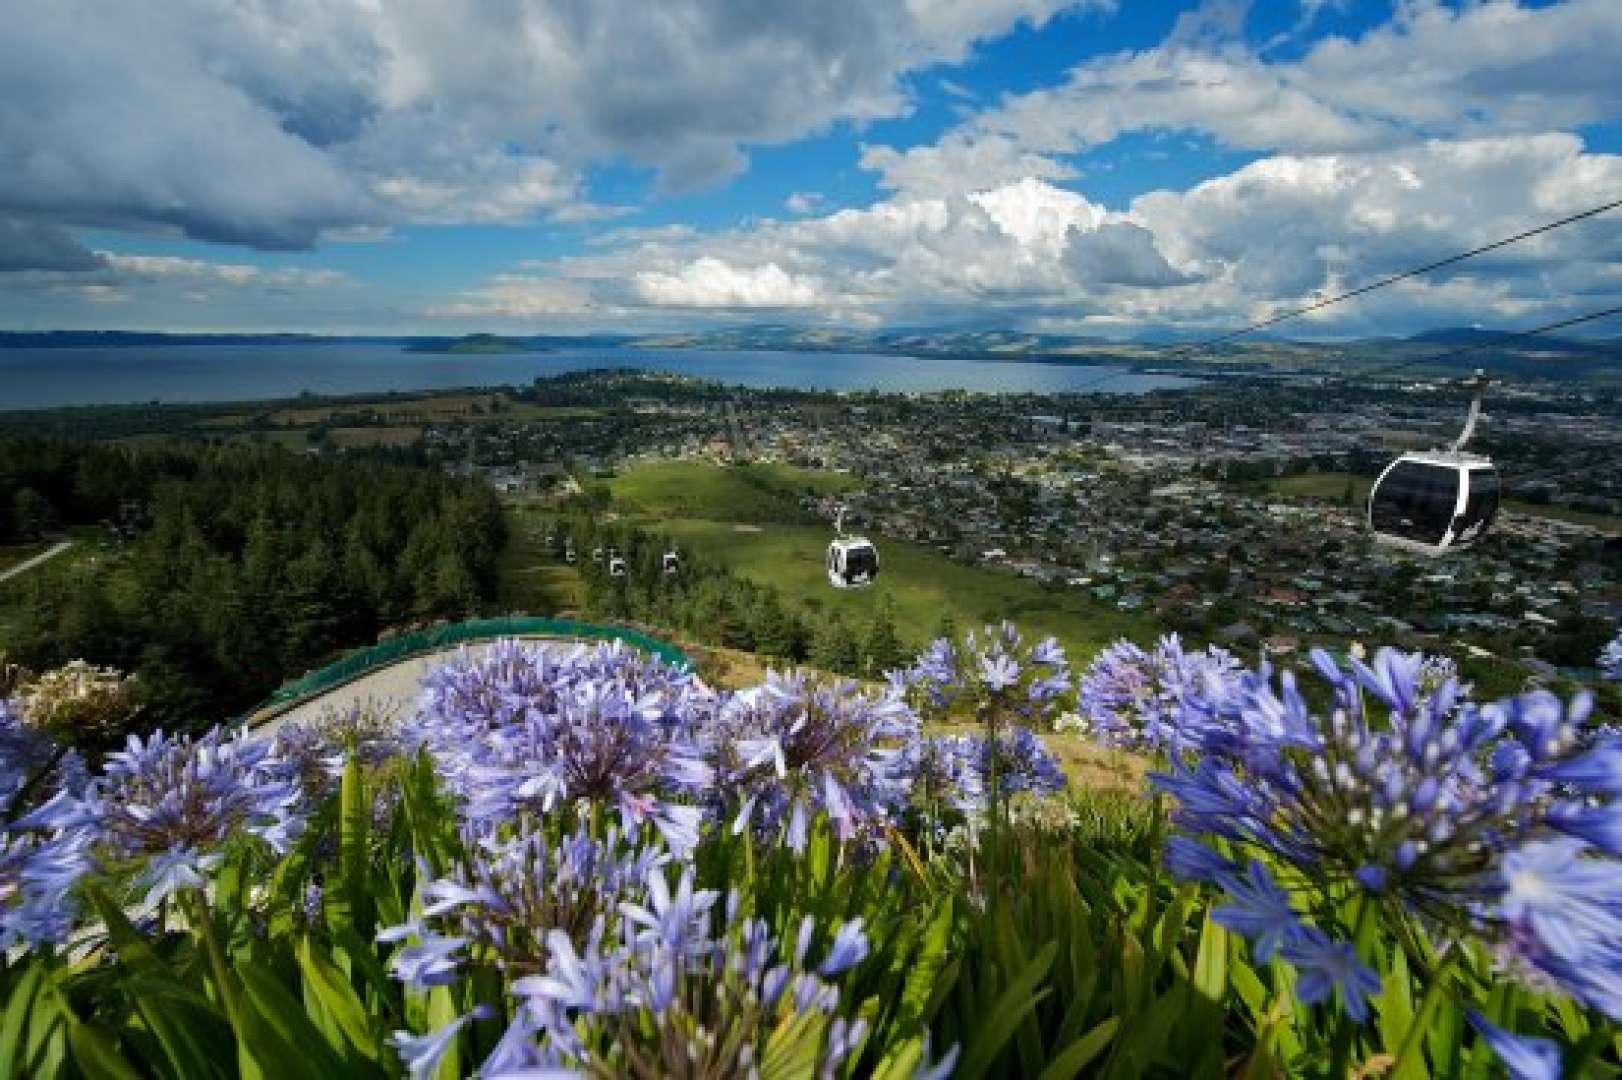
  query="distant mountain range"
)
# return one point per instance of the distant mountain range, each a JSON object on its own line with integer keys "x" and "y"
{"x": 1436, "y": 351}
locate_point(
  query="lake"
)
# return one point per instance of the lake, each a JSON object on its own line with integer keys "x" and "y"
{"x": 42, "y": 378}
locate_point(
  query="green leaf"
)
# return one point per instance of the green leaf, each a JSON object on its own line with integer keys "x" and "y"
{"x": 1000, "y": 1021}
{"x": 1079, "y": 1054}
{"x": 96, "y": 1055}
{"x": 1395, "y": 1005}
{"x": 922, "y": 980}
{"x": 902, "y": 1062}
{"x": 354, "y": 853}
{"x": 338, "y": 998}
{"x": 19, "y": 1007}
{"x": 288, "y": 1044}
{"x": 793, "y": 1047}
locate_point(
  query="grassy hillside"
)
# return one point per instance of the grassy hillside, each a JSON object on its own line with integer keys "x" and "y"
{"x": 756, "y": 493}
{"x": 748, "y": 516}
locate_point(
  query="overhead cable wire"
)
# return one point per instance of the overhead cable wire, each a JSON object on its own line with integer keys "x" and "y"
{"x": 1329, "y": 301}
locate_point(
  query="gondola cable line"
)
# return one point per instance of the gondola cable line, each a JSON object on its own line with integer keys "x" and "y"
{"x": 1391, "y": 279}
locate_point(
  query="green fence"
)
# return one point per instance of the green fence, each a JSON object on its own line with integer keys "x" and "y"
{"x": 417, "y": 642}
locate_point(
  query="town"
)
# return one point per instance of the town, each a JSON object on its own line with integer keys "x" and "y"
{"x": 1232, "y": 513}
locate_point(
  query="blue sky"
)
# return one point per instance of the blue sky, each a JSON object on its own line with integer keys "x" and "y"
{"x": 1094, "y": 168}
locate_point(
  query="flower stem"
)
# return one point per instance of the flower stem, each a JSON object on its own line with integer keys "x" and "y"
{"x": 203, "y": 924}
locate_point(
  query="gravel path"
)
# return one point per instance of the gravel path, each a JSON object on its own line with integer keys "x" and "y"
{"x": 395, "y": 685}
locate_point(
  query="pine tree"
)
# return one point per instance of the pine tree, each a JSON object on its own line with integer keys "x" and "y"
{"x": 835, "y": 648}
{"x": 882, "y": 650}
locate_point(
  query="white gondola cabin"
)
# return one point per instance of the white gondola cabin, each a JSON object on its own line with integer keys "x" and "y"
{"x": 1437, "y": 501}
{"x": 853, "y": 561}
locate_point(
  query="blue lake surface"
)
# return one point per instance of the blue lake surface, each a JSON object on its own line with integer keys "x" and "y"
{"x": 42, "y": 378}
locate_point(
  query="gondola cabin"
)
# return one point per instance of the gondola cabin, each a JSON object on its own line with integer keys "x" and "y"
{"x": 1437, "y": 501}
{"x": 1434, "y": 502}
{"x": 616, "y": 566}
{"x": 853, "y": 562}
{"x": 672, "y": 563}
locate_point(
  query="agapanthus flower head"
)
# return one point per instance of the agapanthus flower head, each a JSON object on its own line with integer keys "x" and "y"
{"x": 794, "y": 747}
{"x": 172, "y": 802}
{"x": 37, "y": 875}
{"x": 993, "y": 667}
{"x": 33, "y": 764}
{"x": 956, "y": 769}
{"x": 316, "y": 750}
{"x": 526, "y": 729}
{"x": 1133, "y": 698}
{"x": 1419, "y": 797}
{"x": 514, "y": 892}
{"x": 1610, "y": 660}
{"x": 703, "y": 1001}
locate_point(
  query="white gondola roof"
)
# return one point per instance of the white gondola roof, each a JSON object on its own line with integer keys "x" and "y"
{"x": 1451, "y": 459}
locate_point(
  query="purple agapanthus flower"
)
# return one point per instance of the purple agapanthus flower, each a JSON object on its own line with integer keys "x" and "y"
{"x": 1133, "y": 698}
{"x": 1259, "y": 909}
{"x": 795, "y": 747}
{"x": 316, "y": 751}
{"x": 1496, "y": 820}
{"x": 1523, "y": 1057}
{"x": 1610, "y": 660}
{"x": 704, "y": 995}
{"x": 513, "y": 893}
{"x": 170, "y": 804}
{"x": 1326, "y": 967}
{"x": 994, "y": 668}
{"x": 37, "y": 877}
{"x": 525, "y": 729}
{"x": 33, "y": 765}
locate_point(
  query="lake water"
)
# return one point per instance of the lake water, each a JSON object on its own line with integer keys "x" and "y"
{"x": 41, "y": 378}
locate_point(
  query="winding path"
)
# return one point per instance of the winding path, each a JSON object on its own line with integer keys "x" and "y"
{"x": 395, "y": 685}
{"x": 28, "y": 564}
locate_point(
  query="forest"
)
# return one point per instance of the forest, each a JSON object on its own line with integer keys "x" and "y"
{"x": 212, "y": 574}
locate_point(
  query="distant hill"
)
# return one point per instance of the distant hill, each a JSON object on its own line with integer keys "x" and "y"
{"x": 1459, "y": 336}
{"x": 473, "y": 345}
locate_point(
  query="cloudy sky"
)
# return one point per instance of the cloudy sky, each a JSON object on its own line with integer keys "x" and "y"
{"x": 1082, "y": 166}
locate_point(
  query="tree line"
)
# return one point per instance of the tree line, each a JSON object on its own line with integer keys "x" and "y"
{"x": 234, "y": 568}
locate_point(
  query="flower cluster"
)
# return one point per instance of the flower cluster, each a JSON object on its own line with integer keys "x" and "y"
{"x": 956, "y": 769}
{"x": 792, "y": 748}
{"x": 33, "y": 764}
{"x": 1499, "y": 820}
{"x": 316, "y": 751}
{"x": 667, "y": 995}
{"x": 514, "y": 893}
{"x": 994, "y": 669}
{"x": 1132, "y": 698}
{"x": 171, "y": 804}
{"x": 524, "y": 729}
{"x": 1610, "y": 660}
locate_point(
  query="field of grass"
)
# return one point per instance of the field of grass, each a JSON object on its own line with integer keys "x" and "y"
{"x": 350, "y": 437}
{"x": 1332, "y": 485}
{"x": 755, "y": 494}
{"x": 749, "y": 517}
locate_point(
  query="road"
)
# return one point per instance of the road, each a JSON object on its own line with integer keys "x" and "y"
{"x": 394, "y": 686}
{"x": 28, "y": 564}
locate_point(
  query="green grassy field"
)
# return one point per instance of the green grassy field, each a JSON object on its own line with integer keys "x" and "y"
{"x": 1332, "y": 485}
{"x": 755, "y": 494}
{"x": 749, "y": 517}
